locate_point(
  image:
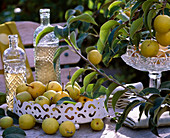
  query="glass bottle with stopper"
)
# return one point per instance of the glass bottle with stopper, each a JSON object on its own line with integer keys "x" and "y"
{"x": 14, "y": 68}
{"x": 44, "y": 52}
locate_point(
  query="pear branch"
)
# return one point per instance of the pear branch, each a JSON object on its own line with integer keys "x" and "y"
{"x": 103, "y": 74}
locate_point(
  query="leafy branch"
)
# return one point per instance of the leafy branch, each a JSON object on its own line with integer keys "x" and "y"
{"x": 103, "y": 74}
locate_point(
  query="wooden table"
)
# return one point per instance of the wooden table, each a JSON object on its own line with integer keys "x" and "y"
{"x": 85, "y": 131}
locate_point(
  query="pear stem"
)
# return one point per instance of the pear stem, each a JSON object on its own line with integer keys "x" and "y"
{"x": 69, "y": 74}
{"x": 62, "y": 86}
{"x": 29, "y": 86}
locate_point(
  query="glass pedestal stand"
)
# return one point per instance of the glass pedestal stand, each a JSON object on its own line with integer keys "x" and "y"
{"x": 155, "y": 79}
{"x": 154, "y": 65}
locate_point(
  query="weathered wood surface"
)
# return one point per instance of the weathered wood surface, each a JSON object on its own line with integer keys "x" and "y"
{"x": 26, "y": 30}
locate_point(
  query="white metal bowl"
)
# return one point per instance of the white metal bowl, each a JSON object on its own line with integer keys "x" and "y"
{"x": 77, "y": 113}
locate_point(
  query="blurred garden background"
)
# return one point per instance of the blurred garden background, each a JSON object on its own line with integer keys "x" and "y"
{"x": 28, "y": 10}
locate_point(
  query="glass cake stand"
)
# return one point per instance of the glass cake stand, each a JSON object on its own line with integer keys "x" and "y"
{"x": 154, "y": 65}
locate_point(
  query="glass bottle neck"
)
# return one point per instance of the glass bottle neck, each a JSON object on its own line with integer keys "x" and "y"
{"x": 13, "y": 42}
{"x": 45, "y": 21}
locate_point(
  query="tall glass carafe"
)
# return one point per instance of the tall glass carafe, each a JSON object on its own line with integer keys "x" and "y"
{"x": 14, "y": 68}
{"x": 44, "y": 52}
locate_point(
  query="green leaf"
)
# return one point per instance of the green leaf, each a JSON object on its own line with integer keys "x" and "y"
{"x": 13, "y": 130}
{"x": 88, "y": 49}
{"x": 89, "y": 78}
{"x": 136, "y": 39}
{"x": 73, "y": 39}
{"x": 14, "y": 136}
{"x": 141, "y": 110}
{"x": 79, "y": 8}
{"x": 119, "y": 48}
{"x": 122, "y": 17}
{"x": 57, "y": 54}
{"x": 153, "y": 126}
{"x": 84, "y": 27}
{"x": 105, "y": 29}
{"x": 43, "y": 33}
{"x": 99, "y": 82}
{"x": 113, "y": 4}
{"x": 157, "y": 104}
{"x": 165, "y": 84}
{"x": 101, "y": 90}
{"x": 136, "y": 26}
{"x": 100, "y": 46}
{"x": 161, "y": 111}
{"x": 107, "y": 58}
{"x": 76, "y": 75}
{"x": 2, "y": 98}
{"x": 150, "y": 16}
{"x": 149, "y": 105}
{"x": 114, "y": 7}
{"x": 110, "y": 89}
{"x": 14, "y": 116}
{"x": 146, "y": 7}
{"x": 61, "y": 32}
{"x": 135, "y": 7}
{"x": 69, "y": 13}
{"x": 131, "y": 87}
{"x": 147, "y": 91}
{"x": 83, "y": 17}
{"x": 81, "y": 38}
{"x": 2, "y": 112}
{"x": 116, "y": 33}
{"x": 126, "y": 111}
{"x": 66, "y": 100}
{"x": 116, "y": 97}
{"x": 168, "y": 5}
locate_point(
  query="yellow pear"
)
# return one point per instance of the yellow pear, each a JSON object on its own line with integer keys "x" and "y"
{"x": 163, "y": 38}
{"x": 59, "y": 95}
{"x": 74, "y": 92}
{"x": 22, "y": 87}
{"x": 6, "y": 122}
{"x": 162, "y": 23}
{"x": 50, "y": 125}
{"x": 97, "y": 124}
{"x": 24, "y": 96}
{"x": 94, "y": 57}
{"x": 67, "y": 129}
{"x": 26, "y": 121}
{"x": 54, "y": 85}
{"x": 84, "y": 99}
{"x": 149, "y": 48}
{"x": 41, "y": 100}
{"x": 75, "y": 83}
{"x": 32, "y": 102}
{"x": 36, "y": 88}
{"x": 50, "y": 94}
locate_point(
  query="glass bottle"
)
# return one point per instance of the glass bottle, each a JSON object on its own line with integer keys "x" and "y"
{"x": 44, "y": 52}
{"x": 14, "y": 68}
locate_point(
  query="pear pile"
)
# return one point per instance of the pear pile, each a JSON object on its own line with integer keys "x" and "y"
{"x": 37, "y": 92}
{"x": 162, "y": 28}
